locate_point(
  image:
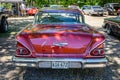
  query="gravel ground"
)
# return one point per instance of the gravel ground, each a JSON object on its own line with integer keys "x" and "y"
{"x": 9, "y": 72}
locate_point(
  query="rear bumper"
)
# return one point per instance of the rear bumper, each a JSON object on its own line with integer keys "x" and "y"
{"x": 47, "y": 62}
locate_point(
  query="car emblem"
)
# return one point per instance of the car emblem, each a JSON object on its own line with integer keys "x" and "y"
{"x": 60, "y": 44}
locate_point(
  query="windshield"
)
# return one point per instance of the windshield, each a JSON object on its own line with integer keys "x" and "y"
{"x": 54, "y": 18}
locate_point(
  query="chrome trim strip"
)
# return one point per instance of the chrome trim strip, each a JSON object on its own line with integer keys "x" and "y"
{"x": 60, "y": 44}
{"x": 43, "y": 43}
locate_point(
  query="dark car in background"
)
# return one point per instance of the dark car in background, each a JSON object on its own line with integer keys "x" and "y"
{"x": 3, "y": 20}
{"x": 112, "y": 8}
{"x": 112, "y": 25}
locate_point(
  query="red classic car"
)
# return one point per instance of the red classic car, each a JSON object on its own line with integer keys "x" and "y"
{"x": 59, "y": 39}
{"x": 31, "y": 10}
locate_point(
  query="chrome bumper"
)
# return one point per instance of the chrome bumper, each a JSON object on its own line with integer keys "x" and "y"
{"x": 73, "y": 62}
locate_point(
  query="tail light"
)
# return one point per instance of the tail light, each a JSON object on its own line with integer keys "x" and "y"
{"x": 21, "y": 50}
{"x": 97, "y": 52}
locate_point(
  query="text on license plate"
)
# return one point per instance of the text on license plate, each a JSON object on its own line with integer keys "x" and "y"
{"x": 60, "y": 64}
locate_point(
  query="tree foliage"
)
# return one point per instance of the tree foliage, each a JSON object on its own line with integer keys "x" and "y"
{"x": 40, "y": 3}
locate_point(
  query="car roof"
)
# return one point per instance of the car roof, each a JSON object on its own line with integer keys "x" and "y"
{"x": 61, "y": 10}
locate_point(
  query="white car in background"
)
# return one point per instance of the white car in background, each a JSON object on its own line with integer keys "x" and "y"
{"x": 94, "y": 10}
{"x": 74, "y": 7}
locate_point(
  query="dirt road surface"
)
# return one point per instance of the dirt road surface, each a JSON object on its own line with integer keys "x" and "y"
{"x": 9, "y": 72}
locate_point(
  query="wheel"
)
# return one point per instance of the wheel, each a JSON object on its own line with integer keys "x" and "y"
{"x": 108, "y": 29}
{"x": 4, "y": 25}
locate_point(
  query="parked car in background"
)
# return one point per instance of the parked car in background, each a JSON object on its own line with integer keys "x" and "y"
{"x": 74, "y": 7}
{"x": 31, "y": 10}
{"x": 112, "y": 25}
{"x": 59, "y": 39}
{"x": 105, "y": 12}
{"x": 94, "y": 10}
{"x": 84, "y": 7}
{"x": 112, "y": 8}
{"x": 3, "y": 20}
{"x": 118, "y": 11}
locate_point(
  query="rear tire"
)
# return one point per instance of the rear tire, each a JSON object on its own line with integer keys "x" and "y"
{"x": 4, "y": 25}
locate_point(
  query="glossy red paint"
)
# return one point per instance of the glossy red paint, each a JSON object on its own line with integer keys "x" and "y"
{"x": 41, "y": 40}
{"x": 60, "y": 40}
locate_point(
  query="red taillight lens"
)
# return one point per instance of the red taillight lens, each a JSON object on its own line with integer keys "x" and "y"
{"x": 97, "y": 52}
{"x": 21, "y": 50}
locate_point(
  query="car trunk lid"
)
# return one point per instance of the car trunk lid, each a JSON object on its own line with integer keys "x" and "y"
{"x": 62, "y": 41}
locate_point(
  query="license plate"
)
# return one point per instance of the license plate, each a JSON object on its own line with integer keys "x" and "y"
{"x": 60, "y": 65}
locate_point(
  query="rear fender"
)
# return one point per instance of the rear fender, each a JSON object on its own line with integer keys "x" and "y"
{"x": 96, "y": 41}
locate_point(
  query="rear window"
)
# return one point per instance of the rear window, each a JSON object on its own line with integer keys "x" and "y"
{"x": 48, "y": 18}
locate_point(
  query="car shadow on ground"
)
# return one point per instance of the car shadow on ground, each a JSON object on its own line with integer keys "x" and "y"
{"x": 9, "y": 72}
